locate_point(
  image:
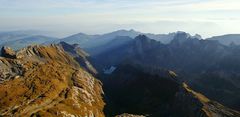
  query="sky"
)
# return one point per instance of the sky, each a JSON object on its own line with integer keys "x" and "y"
{"x": 64, "y": 17}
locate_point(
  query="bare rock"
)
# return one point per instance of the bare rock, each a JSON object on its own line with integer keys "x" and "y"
{"x": 8, "y": 52}
{"x": 129, "y": 115}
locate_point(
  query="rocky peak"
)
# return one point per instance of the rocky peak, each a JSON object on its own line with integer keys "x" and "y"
{"x": 143, "y": 43}
{"x": 141, "y": 37}
{"x": 79, "y": 55}
{"x": 73, "y": 49}
{"x": 182, "y": 37}
{"x": 123, "y": 31}
{"x": 8, "y": 52}
{"x": 144, "y": 40}
{"x": 75, "y": 45}
{"x": 67, "y": 47}
{"x": 19, "y": 62}
{"x": 197, "y": 36}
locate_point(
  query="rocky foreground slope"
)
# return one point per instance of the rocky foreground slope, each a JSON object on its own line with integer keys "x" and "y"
{"x": 46, "y": 81}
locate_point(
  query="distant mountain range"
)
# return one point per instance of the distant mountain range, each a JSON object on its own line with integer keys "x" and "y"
{"x": 227, "y": 39}
{"x": 20, "y": 39}
{"x": 207, "y": 65}
{"x": 31, "y": 40}
{"x": 94, "y": 41}
{"x": 11, "y": 36}
{"x": 89, "y": 42}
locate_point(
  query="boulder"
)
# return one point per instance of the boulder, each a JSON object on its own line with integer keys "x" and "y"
{"x": 8, "y": 52}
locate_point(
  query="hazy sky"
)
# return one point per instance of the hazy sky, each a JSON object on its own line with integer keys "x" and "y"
{"x": 205, "y": 17}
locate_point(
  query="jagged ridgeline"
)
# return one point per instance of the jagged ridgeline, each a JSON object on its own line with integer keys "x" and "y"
{"x": 206, "y": 65}
{"x": 130, "y": 89}
{"x": 58, "y": 80}
{"x": 46, "y": 81}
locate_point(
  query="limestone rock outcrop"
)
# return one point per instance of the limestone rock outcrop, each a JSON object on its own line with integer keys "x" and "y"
{"x": 46, "y": 81}
{"x": 8, "y": 52}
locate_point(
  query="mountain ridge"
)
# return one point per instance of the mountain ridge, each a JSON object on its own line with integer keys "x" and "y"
{"x": 46, "y": 81}
{"x": 196, "y": 60}
{"x": 153, "y": 95}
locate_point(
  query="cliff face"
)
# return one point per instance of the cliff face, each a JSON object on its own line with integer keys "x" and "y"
{"x": 46, "y": 81}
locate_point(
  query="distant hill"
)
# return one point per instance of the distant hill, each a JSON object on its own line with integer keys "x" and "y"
{"x": 15, "y": 35}
{"x": 11, "y": 36}
{"x": 29, "y": 40}
{"x": 89, "y": 42}
{"x": 227, "y": 39}
{"x": 85, "y": 41}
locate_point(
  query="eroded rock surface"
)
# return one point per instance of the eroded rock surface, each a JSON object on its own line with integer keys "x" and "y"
{"x": 46, "y": 81}
{"x": 8, "y": 52}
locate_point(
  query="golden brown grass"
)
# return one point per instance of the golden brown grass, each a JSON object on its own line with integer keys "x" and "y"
{"x": 199, "y": 96}
{"x": 47, "y": 87}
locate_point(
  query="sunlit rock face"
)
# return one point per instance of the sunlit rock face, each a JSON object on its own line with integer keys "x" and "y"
{"x": 46, "y": 81}
{"x": 8, "y": 52}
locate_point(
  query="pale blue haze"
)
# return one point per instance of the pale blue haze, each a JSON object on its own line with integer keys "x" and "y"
{"x": 64, "y": 17}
